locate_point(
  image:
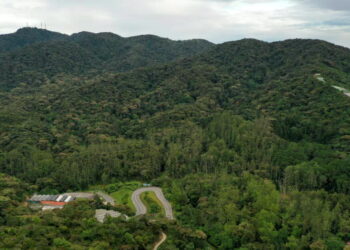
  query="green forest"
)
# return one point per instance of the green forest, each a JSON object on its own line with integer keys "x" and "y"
{"x": 251, "y": 148}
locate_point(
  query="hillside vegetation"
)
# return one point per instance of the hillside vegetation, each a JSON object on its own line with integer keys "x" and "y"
{"x": 251, "y": 145}
{"x": 31, "y": 56}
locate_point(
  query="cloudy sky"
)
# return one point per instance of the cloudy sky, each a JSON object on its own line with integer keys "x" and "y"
{"x": 214, "y": 20}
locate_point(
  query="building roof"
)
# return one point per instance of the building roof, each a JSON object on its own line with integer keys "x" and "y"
{"x": 68, "y": 199}
{"x": 53, "y": 203}
{"x": 62, "y": 198}
{"x": 58, "y": 198}
{"x": 38, "y": 197}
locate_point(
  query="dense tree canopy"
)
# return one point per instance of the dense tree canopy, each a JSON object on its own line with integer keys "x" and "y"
{"x": 249, "y": 143}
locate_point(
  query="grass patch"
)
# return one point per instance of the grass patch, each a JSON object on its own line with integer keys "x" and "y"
{"x": 154, "y": 206}
{"x": 120, "y": 191}
{"x": 123, "y": 196}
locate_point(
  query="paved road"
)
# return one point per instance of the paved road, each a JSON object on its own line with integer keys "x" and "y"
{"x": 141, "y": 208}
{"x": 160, "y": 242}
{"x": 81, "y": 195}
{"x": 106, "y": 197}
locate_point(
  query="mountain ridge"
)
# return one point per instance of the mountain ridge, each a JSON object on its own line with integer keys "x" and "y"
{"x": 247, "y": 76}
{"x": 103, "y": 52}
{"x": 249, "y": 140}
{"x": 34, "y": 35}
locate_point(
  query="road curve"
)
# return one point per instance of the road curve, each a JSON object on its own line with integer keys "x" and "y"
{"x": 160, "y": 242}
{"x": 141, "y": 208}
{"x": 106, "y": 197}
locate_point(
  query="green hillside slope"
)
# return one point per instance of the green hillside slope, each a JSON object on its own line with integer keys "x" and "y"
{"x": 27, "y": 36}
{"x": 238, "y": 76}
{"x": 36, "y": 54}
{"x": 250, "y": 140}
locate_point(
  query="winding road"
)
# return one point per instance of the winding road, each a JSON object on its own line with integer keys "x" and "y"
{"x": 141, "y": 208}
{"x": 160, "y": 242}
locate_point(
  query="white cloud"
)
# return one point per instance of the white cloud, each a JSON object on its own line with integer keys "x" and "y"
{"x": 215, "y": 20}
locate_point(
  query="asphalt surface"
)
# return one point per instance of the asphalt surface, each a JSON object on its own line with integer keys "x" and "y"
{"x": 84, "y": 195}
{"x": 141, "y": 208}
{"x": 101, "y": 214}
{"x": 106, "y": 197}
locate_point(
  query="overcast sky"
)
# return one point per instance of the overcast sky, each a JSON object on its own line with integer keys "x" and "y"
{"x": 214, "y": 20}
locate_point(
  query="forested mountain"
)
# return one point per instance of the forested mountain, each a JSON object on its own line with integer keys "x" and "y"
{"x": 251, "y": 139}
{"x": 27, "y": 36}
{"x": 32, "y": 55}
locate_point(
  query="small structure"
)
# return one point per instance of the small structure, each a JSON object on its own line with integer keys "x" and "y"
{"x": 36, "y": 198}
{"x": 49, "y": 202}
{"x": 101, "y": 214}
{"x": 53, "y": 203}
{"x": 45, "y": 208}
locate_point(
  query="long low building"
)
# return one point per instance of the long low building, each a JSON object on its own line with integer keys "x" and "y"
{"x": 101, "y": 214}
{"x": 37, "y": 198}
{"x": 54, "y": 201}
